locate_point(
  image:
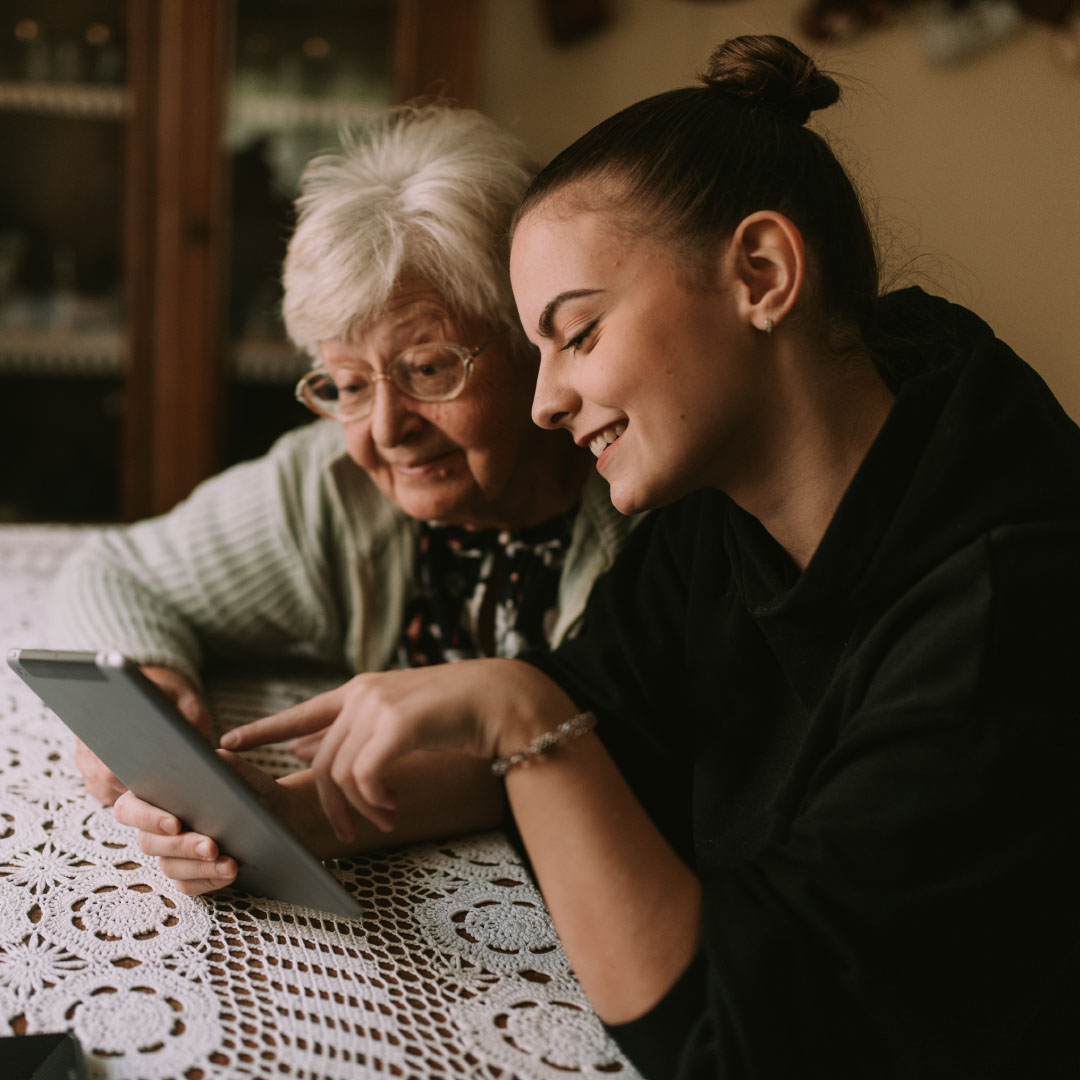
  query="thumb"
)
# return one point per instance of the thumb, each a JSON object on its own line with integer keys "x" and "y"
{"x": 194, "y": 710}
{"x": 184, "y": 696}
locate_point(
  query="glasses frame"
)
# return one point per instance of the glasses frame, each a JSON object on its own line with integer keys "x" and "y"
{"x": 466, "y": 355}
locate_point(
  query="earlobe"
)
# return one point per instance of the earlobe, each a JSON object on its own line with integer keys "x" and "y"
{"x": 768, "y": 266}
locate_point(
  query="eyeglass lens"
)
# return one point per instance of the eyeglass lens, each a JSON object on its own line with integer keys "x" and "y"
{"x": 427, "y": 373}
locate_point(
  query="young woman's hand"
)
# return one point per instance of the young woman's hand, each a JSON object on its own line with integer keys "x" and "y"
{"x": 101, "y": 782}
{"x": 482, "y": 708}
{"x": 304, "y": 724}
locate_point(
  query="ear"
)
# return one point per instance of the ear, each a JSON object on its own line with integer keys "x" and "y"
{"x": 767, "y": 262}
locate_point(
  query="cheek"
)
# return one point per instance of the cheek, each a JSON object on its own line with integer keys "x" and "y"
{"x": 497, "y": 414}
{"x": 358, "y": 444}
{"x": 612, "y": 379}
{"x": 494, "y": 445}
{"x": 461, "y": 424}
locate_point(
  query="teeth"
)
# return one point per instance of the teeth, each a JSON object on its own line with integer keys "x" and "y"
{"x": 599, "y": 443}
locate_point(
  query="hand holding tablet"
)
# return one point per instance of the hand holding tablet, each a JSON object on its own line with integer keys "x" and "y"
{"x": 134, "y": 727}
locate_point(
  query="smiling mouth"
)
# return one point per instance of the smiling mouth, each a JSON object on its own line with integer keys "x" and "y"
{"x": 422, "y": 466}
{"x": 603, "y": 439}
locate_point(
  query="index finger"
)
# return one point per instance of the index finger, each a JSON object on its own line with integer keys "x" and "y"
{"x": 309, "y": 716}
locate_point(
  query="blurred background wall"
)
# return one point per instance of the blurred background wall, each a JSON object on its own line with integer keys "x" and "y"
{"x": 971, "y": 169}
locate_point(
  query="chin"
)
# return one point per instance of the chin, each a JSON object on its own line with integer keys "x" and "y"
{"x": 638, "y": 500}
{"x": 432, "y": 510}
{"x": 441, "y": 505}
{"x": 629, "y": 502}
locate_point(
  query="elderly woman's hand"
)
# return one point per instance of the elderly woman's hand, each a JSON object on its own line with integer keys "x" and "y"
{"x": 191, "y": 860}
{"x": 101, "y": 782}
{"x": 482, "y": 708}
{"x": 449, "y": 796}
{"x": 194, "y": 862}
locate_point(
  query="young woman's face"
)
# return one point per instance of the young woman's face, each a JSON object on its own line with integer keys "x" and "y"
{"x": 655, "y": 377}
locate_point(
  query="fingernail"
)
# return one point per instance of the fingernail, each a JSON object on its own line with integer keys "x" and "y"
{"x": 229, "y": 739}
{"x": 224, "y": 868}
{"x": 169, "y": 824}
{"x": 205, "y": 849}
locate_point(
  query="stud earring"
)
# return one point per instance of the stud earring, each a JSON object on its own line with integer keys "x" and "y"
{"x": 768, "y": 327}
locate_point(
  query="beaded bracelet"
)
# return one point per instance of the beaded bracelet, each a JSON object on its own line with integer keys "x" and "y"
{"x": 566, "y": 732}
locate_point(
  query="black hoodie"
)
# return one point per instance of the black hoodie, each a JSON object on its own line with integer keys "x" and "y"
{"x": 872, "y": 765}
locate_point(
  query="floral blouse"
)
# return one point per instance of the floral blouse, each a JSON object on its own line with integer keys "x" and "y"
{"x": 489, "y": 592}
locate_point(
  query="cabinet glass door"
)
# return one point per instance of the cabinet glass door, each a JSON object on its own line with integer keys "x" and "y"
{"x": 303, "y": 69}
{"x": 63, "y": 110}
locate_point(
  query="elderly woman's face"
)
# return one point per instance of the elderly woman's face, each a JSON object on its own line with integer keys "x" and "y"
{"x": 463, "y": 461}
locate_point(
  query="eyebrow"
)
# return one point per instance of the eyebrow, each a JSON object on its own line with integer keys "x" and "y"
{"x": 545, "y": 325}
{"x": 419, "y": 318}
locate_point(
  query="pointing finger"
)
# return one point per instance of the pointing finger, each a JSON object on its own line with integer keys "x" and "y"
{"x": 303, "y": 719}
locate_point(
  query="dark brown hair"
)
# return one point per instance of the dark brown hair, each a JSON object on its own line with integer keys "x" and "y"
{"x": 689, "y": 164}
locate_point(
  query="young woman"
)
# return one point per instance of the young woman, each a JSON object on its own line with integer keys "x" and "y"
{"x": 825, "y": 825}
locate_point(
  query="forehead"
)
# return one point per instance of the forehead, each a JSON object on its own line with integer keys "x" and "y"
{"x": 415, "y": 313}
{"x": 551, "y": 248}
{"x": 569, "y": 218}
{"x": 412, "y": 306}
{"x": 561, "y": 252}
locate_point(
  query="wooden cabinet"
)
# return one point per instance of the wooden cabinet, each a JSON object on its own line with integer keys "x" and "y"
{"x": 155, "y": 146}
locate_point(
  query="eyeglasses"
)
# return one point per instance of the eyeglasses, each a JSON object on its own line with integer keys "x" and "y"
{"x": 436, "y": 372}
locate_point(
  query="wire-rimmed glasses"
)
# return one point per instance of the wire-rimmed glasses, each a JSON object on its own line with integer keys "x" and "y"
{"x": 434, "y": 372}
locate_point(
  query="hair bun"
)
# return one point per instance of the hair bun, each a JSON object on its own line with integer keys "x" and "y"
{"x": 768, "y": 70}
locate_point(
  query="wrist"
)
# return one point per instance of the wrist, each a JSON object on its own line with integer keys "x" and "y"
{"x": 547, "y": 742}
{"x": 538, "y": 705}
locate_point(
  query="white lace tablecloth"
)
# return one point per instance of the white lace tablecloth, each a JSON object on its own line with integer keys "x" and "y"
{"x": 456, "y": 972}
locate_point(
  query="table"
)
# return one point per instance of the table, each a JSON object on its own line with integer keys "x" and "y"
{"x": 456, "y": 972}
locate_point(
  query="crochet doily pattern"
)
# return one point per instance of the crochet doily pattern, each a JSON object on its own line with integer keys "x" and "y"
{"x": 455, "y": 971}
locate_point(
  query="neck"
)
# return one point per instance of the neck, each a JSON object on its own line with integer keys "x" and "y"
{"x": 812, "y": 447}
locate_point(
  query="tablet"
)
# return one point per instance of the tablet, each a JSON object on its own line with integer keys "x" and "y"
{"x": 137, "y": 730}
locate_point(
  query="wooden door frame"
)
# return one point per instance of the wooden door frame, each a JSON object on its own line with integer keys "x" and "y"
{"x": 436, "y": 46}
{"x": 176, "y": 248}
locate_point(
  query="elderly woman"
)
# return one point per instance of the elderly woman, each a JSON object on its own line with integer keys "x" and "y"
{"x": 423, "y": 518}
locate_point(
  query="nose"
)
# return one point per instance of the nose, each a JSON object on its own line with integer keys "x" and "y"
{"x": 392, "y": 419}
{"x": 554, "y": 401}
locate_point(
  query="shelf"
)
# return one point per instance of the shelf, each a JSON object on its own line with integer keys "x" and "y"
{"x": 100, "y": 353}
{"x": 269, "y": 111}
{"x": 61, "y": 353}
{"x": 287, "y": 112}
{"x": 75, "y": 100}
{"x": 266, "y": 361}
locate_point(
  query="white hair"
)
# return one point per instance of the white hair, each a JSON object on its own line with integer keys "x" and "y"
{"x": 425, "y": 191}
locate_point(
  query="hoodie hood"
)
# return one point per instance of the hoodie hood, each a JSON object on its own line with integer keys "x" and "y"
{"x": 975, "y": 441}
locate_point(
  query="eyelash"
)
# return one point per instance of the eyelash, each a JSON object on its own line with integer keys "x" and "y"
{"x": 579, "y": 339}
